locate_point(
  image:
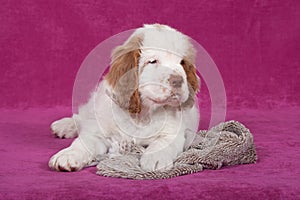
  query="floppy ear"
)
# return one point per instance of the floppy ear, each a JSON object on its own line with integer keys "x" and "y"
{"x": 193, "y": 82}
{"x": 123, "y": 75}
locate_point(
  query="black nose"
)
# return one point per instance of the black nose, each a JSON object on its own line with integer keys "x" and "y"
{"x": 175, "y": 81}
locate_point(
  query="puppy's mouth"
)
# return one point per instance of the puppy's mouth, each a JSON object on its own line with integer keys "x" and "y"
{"x": 173, "y": 100}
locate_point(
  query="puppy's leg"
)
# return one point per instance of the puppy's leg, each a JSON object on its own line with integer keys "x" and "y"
{"x": 81, "y": 153}
{"x": 65, "y": 127}
{"x": 161, "y": 153}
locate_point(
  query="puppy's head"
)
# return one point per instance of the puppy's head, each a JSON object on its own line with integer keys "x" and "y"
{"x": 154, "y": 68}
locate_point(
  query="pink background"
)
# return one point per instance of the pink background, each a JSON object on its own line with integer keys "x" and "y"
{"x": 255, "y": 44}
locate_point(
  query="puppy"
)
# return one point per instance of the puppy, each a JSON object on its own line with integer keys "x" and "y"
{"x": 148, "y": 98}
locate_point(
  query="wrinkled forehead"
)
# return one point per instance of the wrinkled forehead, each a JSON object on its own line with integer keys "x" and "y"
{"x": 164, "y": 39}
{"x": 168, "y": 62}
{"x": 161, "y": 55}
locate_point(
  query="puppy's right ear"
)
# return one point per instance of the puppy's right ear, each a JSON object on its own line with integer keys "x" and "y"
{"x": 123, "y": 74}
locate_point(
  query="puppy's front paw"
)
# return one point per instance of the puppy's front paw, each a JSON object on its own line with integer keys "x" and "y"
{"x": 67, "y": 160}
{"x": 156, "y": 161}
{"x": 64, "y": 128}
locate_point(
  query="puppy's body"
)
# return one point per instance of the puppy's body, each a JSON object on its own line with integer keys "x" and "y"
{"x": 147, "y": 98}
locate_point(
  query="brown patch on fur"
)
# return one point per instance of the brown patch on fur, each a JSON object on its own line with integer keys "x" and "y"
{"x": 123, "y": 74}
{"x": 193, "y": 82}
{"x": 159, "y": 27}
{"x": 191, "y": 52}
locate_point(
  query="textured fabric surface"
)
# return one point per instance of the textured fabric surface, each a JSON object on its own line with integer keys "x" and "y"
{"x": 228, "y": 143}
{"x": 26, "y": 145}
{"x": 255, "y": 45}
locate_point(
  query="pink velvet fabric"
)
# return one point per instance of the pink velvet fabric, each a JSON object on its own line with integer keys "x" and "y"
{"x": 255, "y": 45}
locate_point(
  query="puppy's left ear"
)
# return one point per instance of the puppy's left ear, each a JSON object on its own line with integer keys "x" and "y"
{"x": 193, "y": 82}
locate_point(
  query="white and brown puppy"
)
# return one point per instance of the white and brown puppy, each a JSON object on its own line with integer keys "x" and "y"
{"x": 148, "y": 97}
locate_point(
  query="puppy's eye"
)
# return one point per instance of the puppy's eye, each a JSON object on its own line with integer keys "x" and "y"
{"x": 152, "y": 61}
